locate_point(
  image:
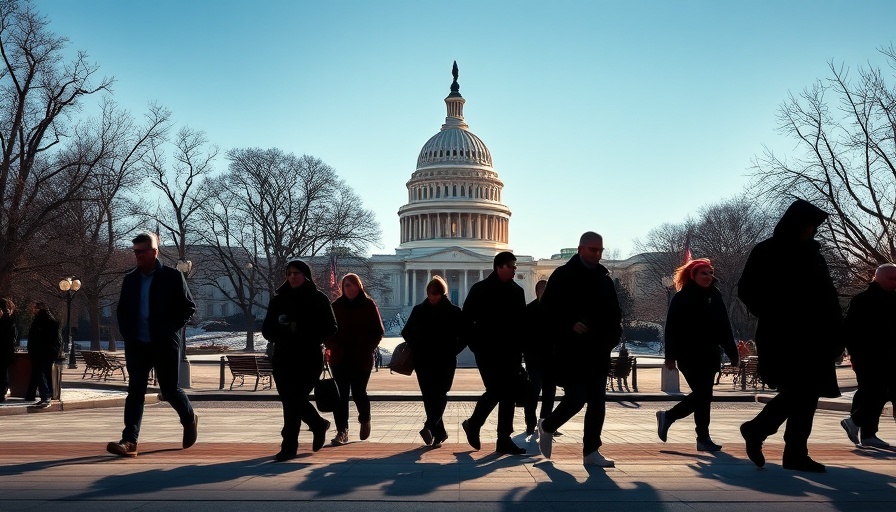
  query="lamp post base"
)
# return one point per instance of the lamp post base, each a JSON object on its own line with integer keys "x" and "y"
{"x": 72, "y": 361}
{"x": 184, "y": 379}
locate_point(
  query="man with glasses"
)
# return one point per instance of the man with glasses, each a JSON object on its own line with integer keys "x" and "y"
{"x": 494, "y": 310}
{"x": 582, "y": 314}
{"x": 154, "y": 305}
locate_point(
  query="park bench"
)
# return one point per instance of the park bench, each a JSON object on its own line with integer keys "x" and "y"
{"x": 102, "y": 365}
{"x": 258, "y": 366}
{"x": 620, "y": 369}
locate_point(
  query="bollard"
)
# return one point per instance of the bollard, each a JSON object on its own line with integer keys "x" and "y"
{"x": 221, "y": 383}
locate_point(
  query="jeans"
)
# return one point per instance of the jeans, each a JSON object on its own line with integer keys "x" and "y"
{"x": 140, "y": 358}
{"x": 294, "y": 385}
{"x": 435, "y": 382}
{"x": 498, "y": 376}
{"x": 698, "y": 402}
{"x": 354, "y": 378}
{"x": 581, "y": 391}
{"x": 797, "y": 408}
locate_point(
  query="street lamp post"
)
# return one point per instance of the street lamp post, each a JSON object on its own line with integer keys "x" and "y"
{"x": 185, "y": 380}
{"x": 69, "y": 286}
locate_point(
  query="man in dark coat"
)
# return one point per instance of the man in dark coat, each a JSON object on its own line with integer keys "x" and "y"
{"x": 584, "y": 318}
{"x": 44, "y": 347}
{"x": 494, "y": 311}
{"x": 787, "y": 286}
{"x": 154, "y": 305}
{"x": 870, "y": 330}
{"x": 538, "y": 352}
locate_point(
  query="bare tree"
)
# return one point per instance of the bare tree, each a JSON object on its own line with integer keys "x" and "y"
{"x": 846, "y": 134}
{"x": 46, "y": 159}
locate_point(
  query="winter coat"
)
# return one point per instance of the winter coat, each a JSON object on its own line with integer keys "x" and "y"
{"x": 44, "y": 338}
{"x": 493, "y": 315}
{"x": 576, "y": 293}
{"x": 538, "y": 346}
{"x": 697, "y": 326}
{"x": 360, "y": 332}
{"x": 170, "y": 306}
{"x": 9, "y": 338}
{"x": 434, "y": 333}
{"x": 870, "y": 331}
{"x": 787, "y": 286}
{"x": 297, "y": 322}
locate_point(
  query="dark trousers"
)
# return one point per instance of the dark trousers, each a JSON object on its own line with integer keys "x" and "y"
{"x": 698, "y": 402}
{"x": 542, "y": 379}
{"x": 354, "y": 378}
{"x": 581, "y": 391}
{"x": 797, "y": 408}
{"x": 868, "y": 402}
{"x": 498, "y": 376}
{"x": 5, "y": 363}
{"x": 435, "y": 382}
{"x": 140, "y": 359}
{"x": 294, "y": 385}
{"x": 41, "y": 380}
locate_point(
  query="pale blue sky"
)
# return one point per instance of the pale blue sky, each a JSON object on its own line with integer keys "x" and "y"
{"x": 606, "y": 116}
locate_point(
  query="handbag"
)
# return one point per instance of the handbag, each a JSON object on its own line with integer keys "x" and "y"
{"x": 326, "y": 392}
{"x": 402, "y": 359}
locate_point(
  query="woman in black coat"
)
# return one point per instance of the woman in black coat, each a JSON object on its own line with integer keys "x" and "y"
{"x": 787, "y": 286}
{"x": 433, "y": 332}
{"x": 8, "y": 340}
{"x": 44, "y": 347}
{"x": 299, "y": 319}
{"x": 697, "y": 326}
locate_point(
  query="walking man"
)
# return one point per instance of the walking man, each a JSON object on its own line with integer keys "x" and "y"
{"x": 870, "y": 329}
{"x": 538, "y": 352}
{"x": 584, "y": 318}
{"x": 494, "y": 311}
{"x": 154, "y": 305}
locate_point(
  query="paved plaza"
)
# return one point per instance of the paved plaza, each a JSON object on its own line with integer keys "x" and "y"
{"x": 56, "y": 460}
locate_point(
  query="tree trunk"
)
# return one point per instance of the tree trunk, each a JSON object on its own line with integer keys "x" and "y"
{"x": 250, "y": 332}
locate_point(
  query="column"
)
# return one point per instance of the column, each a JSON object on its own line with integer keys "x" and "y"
{"x": 462, "y": 294}
{"x": 414, "y": 287}
{"x": 407, "y": 295}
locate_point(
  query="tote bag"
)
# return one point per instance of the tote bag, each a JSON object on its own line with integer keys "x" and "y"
{"x": 326, "y": 393}
{"x": 402, "y": 359}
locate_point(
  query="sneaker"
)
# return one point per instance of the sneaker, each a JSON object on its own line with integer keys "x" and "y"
{"x": 803, "y": 464}
{"x": 706, "y": 445}
{"x": 42, "y": 404}
{"x": 506, "y": 445}
{"x": 122, "y": 448}
{"x": 852, "y": 430}
{"x": 320, "y": 436}
{"x": 427, "y": 436}
{"x": 341, "y": 438}
{"x": 596, "y": 459}
{"x": 662, "y": 426}
{"x": 190, "y": 432}
{"x": 365, "y": 431}
{"x": 285, "y": 455}
{"x": 472, "y": 435}
{"x": 545, "y": 439}
{"x": 874, "y": 442}
{"x": 753, "y": 445}
{"x": 538, "y": 427}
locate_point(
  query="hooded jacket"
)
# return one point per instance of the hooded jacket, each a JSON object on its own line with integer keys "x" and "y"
{"x": 786, "y": 284}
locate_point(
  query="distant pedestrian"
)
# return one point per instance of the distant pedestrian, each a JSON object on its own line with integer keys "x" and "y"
{"x": 351, "y": 353}
{"x": 584, "y": 318}
{"x": 298, "y": 320}
{"x": 9, "y": 338}
{"x": 493, "y": 312}
{"x": 154, "y": 305}
{"x": 870, "y": 329}
{"x": 44, "y": 348}
{"x": 538, "y": 352}
{"x": 377, "y": 359}
{"x": 697, "y": 325}
{"x": 787, "y": 286}
{"x": 434, "y": 333}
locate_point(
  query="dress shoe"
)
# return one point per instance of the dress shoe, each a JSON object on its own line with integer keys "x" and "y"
{"x": 122, "y": 448}
{"x": 506, "y": 445}
{"x": 852, "y": 430}
{"x": 874, "y": 442}
{"x": 427, "y": 436}
{"x": 662, "y": 426}
{"x": 320, "y": 436}
{"x": 340, "y": 438}
{"x": 596, "y": 459}
{"x": 190, "y": 432}
{"x": 753, "y": 445}
{"x": 472, "y": 434}
{"x": 439, "y": 439}
{"x": 545, "y": 440}
{"x": 803, "y": 463}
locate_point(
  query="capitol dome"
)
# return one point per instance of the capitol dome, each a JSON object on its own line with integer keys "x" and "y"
{"x": 454, "y": 196}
